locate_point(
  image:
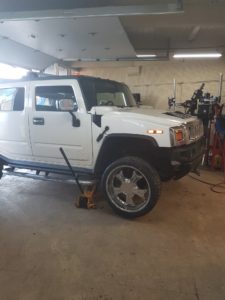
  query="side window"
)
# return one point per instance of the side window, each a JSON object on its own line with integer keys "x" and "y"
{"x": 47, "y": 97}
{"x": 12, "y": 99}
{"x": 113, "y": 98}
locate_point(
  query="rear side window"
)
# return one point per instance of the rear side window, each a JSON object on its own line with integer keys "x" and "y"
{"x": 47, "y": 97}
{"x": 12, "y": 99}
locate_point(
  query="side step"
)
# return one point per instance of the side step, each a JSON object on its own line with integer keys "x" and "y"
{"x": 44, "y": 176}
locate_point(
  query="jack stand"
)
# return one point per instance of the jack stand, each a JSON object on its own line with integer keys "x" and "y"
{"x": 86, "y": 199}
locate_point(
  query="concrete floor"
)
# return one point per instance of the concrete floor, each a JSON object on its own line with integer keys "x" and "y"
{"x": 51, "y": 250}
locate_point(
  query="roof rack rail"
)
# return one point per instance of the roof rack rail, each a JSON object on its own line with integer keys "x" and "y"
{"x": 36, "y": 75}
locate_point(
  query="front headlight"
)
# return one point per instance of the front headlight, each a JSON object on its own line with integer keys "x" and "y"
{"x": 178, "y": 136}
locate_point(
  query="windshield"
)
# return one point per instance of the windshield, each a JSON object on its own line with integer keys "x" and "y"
{"x": 100, "y": 92}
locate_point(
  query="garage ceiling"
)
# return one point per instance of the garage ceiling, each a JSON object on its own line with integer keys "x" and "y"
{"x": 71, "y": 39}
{"x": 202, "y": 25}
{"x": 36, "y": 34}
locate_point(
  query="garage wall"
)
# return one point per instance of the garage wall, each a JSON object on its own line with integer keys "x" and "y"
{"x": 153, "y": 80}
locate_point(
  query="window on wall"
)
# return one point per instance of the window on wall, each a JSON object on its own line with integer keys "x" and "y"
{"x": 12, "y": 99}
{"x": 47, "y": 97}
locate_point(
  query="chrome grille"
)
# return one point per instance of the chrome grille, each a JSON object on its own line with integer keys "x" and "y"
{"x": 194, "y": 131}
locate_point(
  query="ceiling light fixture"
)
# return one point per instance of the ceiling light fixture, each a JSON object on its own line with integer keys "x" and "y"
{"x": 145, "y": 55}
{"x": 35, "y": 70}
{"x": 198, "y": 55}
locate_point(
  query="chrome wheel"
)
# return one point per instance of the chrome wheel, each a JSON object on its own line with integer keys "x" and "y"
{"x": 128, "y": 188}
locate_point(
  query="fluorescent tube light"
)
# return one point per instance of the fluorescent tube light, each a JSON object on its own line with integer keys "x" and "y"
{"x": 145, "y": 55}
{"x": 35, "y": 70}
{"x": 198, "y": 55}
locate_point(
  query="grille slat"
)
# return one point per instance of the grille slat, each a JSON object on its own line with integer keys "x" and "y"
{"x": 194, "y": 131}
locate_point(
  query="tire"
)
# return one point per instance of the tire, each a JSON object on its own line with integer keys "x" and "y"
{"x": 131, "y": 186}
{"x": 165, "y": 178}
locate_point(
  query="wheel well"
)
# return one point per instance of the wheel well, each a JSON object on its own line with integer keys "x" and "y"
{"x": 116, "y": 147}
{"x": 1, "y": 168}
{"x": 1, "y": 163}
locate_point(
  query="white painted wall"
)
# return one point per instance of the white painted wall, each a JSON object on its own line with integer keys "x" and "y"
{"x": 56, "y": 70}
{"x": 153, "y": 80}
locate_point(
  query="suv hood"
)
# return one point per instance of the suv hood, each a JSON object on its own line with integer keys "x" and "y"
{"x": 143, "y": 113}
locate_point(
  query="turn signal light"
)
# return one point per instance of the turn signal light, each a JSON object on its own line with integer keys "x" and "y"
{"x": 179, "y": 135}
{"x": 155, "y": 131}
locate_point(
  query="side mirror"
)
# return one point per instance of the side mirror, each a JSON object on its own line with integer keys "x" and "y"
{"x": 66, "y": 105}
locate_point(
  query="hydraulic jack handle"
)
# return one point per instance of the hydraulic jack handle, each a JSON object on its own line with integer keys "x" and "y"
{"x": 71, "y": 169}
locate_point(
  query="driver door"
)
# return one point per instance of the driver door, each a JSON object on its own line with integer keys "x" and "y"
{"x": 51, "y": 128}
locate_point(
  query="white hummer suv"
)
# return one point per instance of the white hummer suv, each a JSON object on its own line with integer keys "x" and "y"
{"x": 104, "y": 134}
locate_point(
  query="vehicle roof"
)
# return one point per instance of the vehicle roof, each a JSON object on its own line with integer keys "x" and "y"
{"x": 43, "y": 77}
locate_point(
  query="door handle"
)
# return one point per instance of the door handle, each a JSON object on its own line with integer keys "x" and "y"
{"x": 38, "y": 121}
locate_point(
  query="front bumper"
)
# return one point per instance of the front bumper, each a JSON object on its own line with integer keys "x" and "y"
{"x": 187, "y": 158}
{"x": 176, "y": 162}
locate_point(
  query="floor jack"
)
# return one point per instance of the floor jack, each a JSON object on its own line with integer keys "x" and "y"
{"x": 86, "y": 197}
